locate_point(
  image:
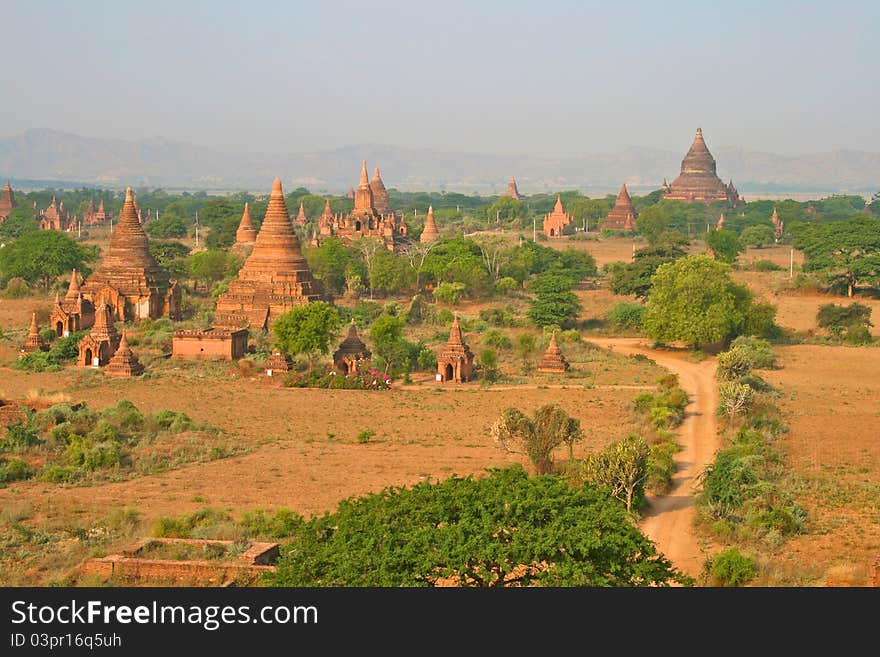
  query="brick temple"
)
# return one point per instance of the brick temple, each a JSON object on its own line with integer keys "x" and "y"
{"x": 512, "y": 190}
{"x": 33, "y": 342}
{"x": 246, "y": 234}
{"x": 129, "y": 280}
{"x": 552, "y": 361}
{"x": 72, "y": 313}
{"x": 372, "y": 216}
{"x": 7, "y": 201}
{"x": 455, "y": 361}
{"x": 55, "y": 217}
{"x": 275, "y": 277}
{"x": 429, "y": 232}
{"x": 352, "y": 353}
{"x": 698, "y": 181}
{"x": 97, "y": 348}
{"x": 556, "y": 221}
{"x": 93, "y": 217}
{"x": 623, "y": 215}
{"x": 124, "y": 362}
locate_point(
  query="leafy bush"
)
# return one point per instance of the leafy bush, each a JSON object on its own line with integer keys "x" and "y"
{"x": 841, "y": 320}
{"x": 495, "y": 338}
{"x": 626, "y": 315}
{"x": 733, "y": 365}
{"x": 661, "y": 467}
{"x": 496, "y": 317}
{"x": 758, "y": 351}
{"x": 14, "y": 470}
{"x": 734, "y": 398}
{"x": 17, "y": 288}
{"x": 365, "y": 436}
{"x": 765, "y": 265}
{"x": 449, "y": 292}
{"x": 19, "y": 437}
{"x": 368, "y": 380}
{"x": 732, "y": 568}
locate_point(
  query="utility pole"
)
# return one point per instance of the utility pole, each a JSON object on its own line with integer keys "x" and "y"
{"x": 791, "y": 263}
{"x": 197, "y": 229}
{"x": 534, "y": 230}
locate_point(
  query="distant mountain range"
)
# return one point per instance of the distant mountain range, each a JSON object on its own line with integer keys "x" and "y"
{"x": 41, "y": 157}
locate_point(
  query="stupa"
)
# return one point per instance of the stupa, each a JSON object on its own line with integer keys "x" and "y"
{"x": 719, "y": 225}
{"x": 553, "y": 361}
{"x": 556, "y": 221}
{"x": 300, "y": 216}
{"x": 380, "y": 194}
{"x": 33, "y": 342}
{"x": 129, "y": 279}
{"x": 698, "y": 181}
{"x": 429, "y": 232}
{"x": 352, "y": 352}
{"x": 124, "y": 362}
{"x": 96, "y": 349}
{"x": 72, "y": 313}
{"x": 512, "y": 190}
{"x": 623, "y": 215}
{"x": 246, "y": 234}
{"x": 455, "y": 362}
{"x": 275, "y": 277}
{"x": 778, "y": 225}
{"x": 7, "y": 201}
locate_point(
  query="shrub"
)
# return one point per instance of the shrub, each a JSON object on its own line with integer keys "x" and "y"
{"x": 765, "y": 265}
{"x": 626, "y": 315}
{"x": 19, "y": 437}
{"x": 733, "y": 365}
{"x": 16, "y": 288}
{"x": 496, "y": 317}
{"x": 58, "y": 474}
{"x": 365, "y": 436}
{"x": 449, "y": 292}
{"x": 14, "y": 470}
{"x": 758, "y": 351}
{"x": 506, "y": 285}
{"x": 489, "y": 362}
{"x": 841, "y": 320}
{"x": 734, "y": 398}
{"x": 661, "y": 467}
{"x": 495, "y": 338}
{"x": 732, "y": 568}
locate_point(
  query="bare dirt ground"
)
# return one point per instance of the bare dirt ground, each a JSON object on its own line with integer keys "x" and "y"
{"x": 831, "y": 403}
{"x": 669, "y": 522}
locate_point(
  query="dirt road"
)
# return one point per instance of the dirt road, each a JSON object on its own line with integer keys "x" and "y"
{"x": 668, "y": 522}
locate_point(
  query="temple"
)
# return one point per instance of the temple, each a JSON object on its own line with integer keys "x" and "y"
{"x": 55, "y": 217}
{"x": 274, "y": 279}
{"x": 623, "y": 215}
{"x": 429, "y": 232}
{"x": 7, "y": 201}
{"x": 372, "y": 216}
{"x": 33, "y": 342}
{"x": 93, "y": 217}
{"x": 455, "y": 362}
{"x": 778, "y": 225}
{"x": 556, "y": 221}
{"x": 553, "y": 361}
{"x": 124, "y": 362}
{"x": 352, "y": 353}
{"x": 277, "y": 363}
{"x": 209, "y": 344}
{"x": 96, "y": 349}
{"x": 72, "y": 313}
{"x": 301, "y": 216}
{"x": 512, "y": 191}
{"x": 129, "y": 279}
{"x": 698, "y": 181}
{"x": 246, "y": 234}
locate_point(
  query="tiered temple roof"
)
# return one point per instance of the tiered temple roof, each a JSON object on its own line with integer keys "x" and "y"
{"x": 72, "y": 313}
{"x": 623, "y": 215}
{"x": 698, "y": 180}
{"x": 553, "y": 360}
{"x": 33, "y": 342}
{"x": 351, "y": 352}
{"x": 556, "y": 221}
{"x": 512, "y": 190}
{"x": 7, "y": 201}
{"x": 367, "y": 219}
{"x": 246, "y": 234}
{"x": 129, "y": 279}
{"x": 124, "y": 362}
{"x": 275, "y": 277}
{"x": 55, "y": 217}
{"x": 101, "y": 343}
{"x": 455, "y": 361}
{"x": 429, "y": 232}
{"x": 301, "y": 216}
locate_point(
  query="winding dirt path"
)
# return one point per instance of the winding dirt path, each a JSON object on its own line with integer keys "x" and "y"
{"x": 669, "y": 520}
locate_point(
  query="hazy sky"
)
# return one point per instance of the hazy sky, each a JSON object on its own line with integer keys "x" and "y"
{"x": 501, "y": 76}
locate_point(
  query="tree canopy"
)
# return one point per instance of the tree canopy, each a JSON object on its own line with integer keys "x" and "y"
{"x": 726, "y": 245}
{"x": 42, "y": 256}
{"x": 503, "y": 529}
{"x": 847, "y": 251}
{"x": 307, "y": 329}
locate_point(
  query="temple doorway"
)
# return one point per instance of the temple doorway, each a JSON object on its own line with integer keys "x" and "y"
{"x": 343, "y": 369}
{"x": 552, "y": 233}
{"x": 59, "y": 329}
{"x": 357, "y": 226}
{"x": 449, "y": 372}
{"x": 88, "y": 358}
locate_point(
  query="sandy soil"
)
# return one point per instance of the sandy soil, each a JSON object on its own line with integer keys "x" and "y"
{"x": 669, "y": 521}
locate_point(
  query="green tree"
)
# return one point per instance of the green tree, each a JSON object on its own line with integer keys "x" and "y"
{"x": 504, "y": 529}
{"x": 537, "y": 437}
{"x": 390, "y": 274}
{"x": 212, "y": 266}
{"x": 622, "y": 468}
{"x": 554, "y": 303}
{"x": 844, "y": 320}
{"x": 331, "y": 262}
{"x": 653, "y": 222}
{"x": 19, "y": 222}
{"x": 847, "y": 251}
{"x": 386, "y": 334}
{"x": 168, "y": 225}
{"x": 757, "y": 236}
{"x": 506, "y": 211}
{"x": 694, "y": 300}
{"x": 42, "y": 256}
{"x": 726, "y": 245}
{"x": 307, "y": 330}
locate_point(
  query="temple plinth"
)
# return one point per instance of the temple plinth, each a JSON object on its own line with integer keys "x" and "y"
{"x": 455, "y": 361}
{"x": 274, "y": 279}
{"x": 129, "y": 279}
{"x": 556, "y": 221}
{"x": 698, "y": 180}
{"x": 553, "y": 361}
{"x": 623, "y": 215}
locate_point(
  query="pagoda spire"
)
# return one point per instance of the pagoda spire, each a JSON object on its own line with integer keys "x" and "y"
{"x": 429, "y": 232}
{"x": 558, "y": 206}
{"x": 33, "y": 342}
{"x": 73, "y": 290}
{"x": 246, "y": 234}
{"x": 363, "y": 197}
{"x": 301, "y": 215}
